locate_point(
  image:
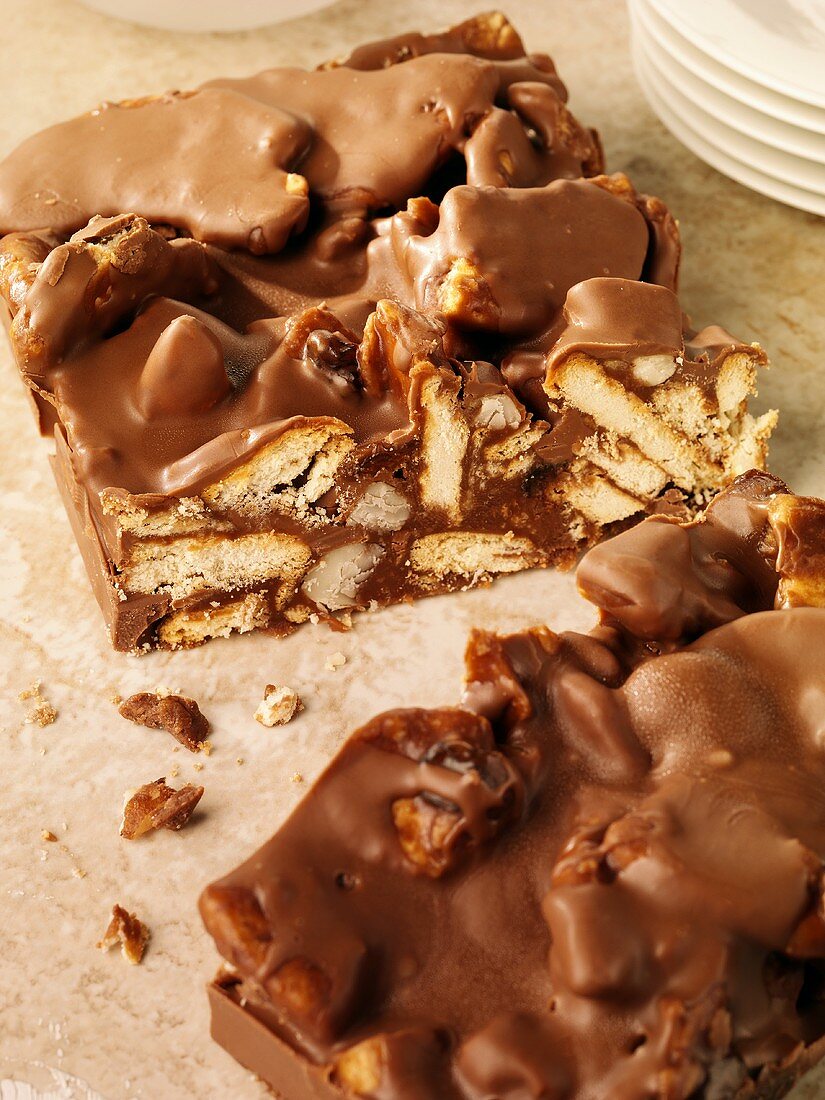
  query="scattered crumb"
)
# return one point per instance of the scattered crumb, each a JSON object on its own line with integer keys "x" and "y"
{"x": 117, "y": 699}
{"x": 206, "y": 748}
{"x": 174, "y": 713}
{"x": 126, "y": 930}
{"x": 279, "y": 705}
{"x": 157, "y": 806}
{"x": 315, "y": 618}
{"x": 174, "y": 771}
{"x": 78, "y": 872}
{"x": 297, "y": 777}
{"x": 198, "y": 767}
{"x": 335, "y": 661}
{"x": 47, "y": 834}
{"x": 239, "y": 760}
{"x": 41, "y": 712}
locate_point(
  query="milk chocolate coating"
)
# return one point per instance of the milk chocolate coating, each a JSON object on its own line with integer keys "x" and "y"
{"x": 201, "y": 191}
{"x": 190, "y": 276}
{"x": 602, "y": 877}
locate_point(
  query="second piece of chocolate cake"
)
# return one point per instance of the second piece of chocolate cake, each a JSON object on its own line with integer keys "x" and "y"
{"x": 311, "y": 341}
{"x": 602, "y": 876}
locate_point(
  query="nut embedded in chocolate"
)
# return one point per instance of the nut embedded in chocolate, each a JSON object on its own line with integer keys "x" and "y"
{"x": 176, "y": 714}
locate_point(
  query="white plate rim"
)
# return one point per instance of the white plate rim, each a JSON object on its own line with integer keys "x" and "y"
{"x": 733, "y": 61}
{"x": 723, "y": 109}
{"x": 741, "y": 148}
{"x": 724, "y": 80}
{"x": 727, "y": 165}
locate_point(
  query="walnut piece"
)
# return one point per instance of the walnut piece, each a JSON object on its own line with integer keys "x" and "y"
{"x": 129, "y": 932}
{"x": 174, "y": 713}
{"x": 279, "y": 705}
{"x": 157, "y": 806}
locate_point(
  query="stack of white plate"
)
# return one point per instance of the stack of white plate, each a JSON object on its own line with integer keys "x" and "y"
{"x": 742, "y": 84}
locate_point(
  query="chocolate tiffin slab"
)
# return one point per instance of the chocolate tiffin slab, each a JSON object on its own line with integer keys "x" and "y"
{"x": 600, "y": 876}
{"x": 314, "y": 341}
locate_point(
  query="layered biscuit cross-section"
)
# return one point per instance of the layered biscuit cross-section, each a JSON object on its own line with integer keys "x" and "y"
{"x": 601, "y": 876}
{"x": 344, "y": 378}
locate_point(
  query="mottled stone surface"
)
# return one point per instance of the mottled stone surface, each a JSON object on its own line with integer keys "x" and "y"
{"x": 142, "y": 1031}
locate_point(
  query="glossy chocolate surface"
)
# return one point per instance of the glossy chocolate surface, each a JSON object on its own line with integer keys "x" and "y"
{"x": 603, "y": 876}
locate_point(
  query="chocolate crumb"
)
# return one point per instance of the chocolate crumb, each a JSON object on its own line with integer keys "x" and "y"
{"x": 129, "y": 932}
{"x": 279, "y": 705}
{"x": 157, "y": 806}
{"x": 41, "y": 712}
{"x": 174, "y": 713}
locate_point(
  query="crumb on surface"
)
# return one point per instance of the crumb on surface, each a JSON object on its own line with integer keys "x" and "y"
{"x": 129, "y": 932}
{"x": 41, "y": 712}
{"x": 297, "y": 777}
{"x": 279, "y": 705}
{"x": 178, "y": 715}
{"x": 47, "y": 834}
{"x": 335, "y": 661}
{"x": 157, "y": 806}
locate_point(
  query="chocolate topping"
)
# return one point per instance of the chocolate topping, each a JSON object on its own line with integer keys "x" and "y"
{"x": 603, "y": 877}
{"x": 323, "y": 311}
{"x": 211, "y": 162}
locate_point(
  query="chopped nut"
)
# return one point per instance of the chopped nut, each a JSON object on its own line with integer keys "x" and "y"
{"x": 382, "y": 507}
{"x": 335, "y": 661}
{"x": 333, "y": 582}
{"x": 653, "y": 370}
{"x": 41, "y": 712}
{"x": 129, "y": 932}
{"x": 278, "y": 706}
{"x": 174, "y": 713}
{"x": 47, "y": 834}
{"x": 157, "y": 806}
{"x": 434, "y": 830}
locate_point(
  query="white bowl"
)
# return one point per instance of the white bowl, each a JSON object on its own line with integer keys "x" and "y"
{"x": 206, "y": 15}
{"x": 752, "y": 94}
{"x": 719, "y": 159}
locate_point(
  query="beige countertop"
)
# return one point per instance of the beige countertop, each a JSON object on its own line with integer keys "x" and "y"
{"x": 750, "y": 264}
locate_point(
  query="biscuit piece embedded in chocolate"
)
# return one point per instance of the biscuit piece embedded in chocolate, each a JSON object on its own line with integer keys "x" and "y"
{"x": 602, "y": 876}
{"x": 401, "y": 335}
